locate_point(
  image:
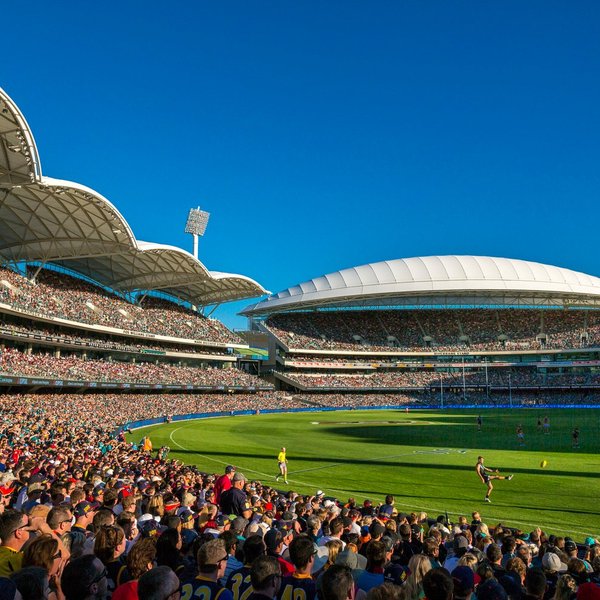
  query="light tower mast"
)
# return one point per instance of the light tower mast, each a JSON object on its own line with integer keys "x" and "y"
{"x": 196, "y": 225}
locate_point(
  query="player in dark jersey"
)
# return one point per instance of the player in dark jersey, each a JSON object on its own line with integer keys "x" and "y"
{"x": 300, "y": 585}
{"x": 239, "y": 581}
{"x": 575, "y": 437}
{"x": 483, "y": 473}
{"x": 479, "y": 423}
{"x": 212, "y": 560}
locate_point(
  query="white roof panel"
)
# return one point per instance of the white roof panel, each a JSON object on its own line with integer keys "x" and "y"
{"x": 67, "y": 223}
{"x": 453, "y": 276}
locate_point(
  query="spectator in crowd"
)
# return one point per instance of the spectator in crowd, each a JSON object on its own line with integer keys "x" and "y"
{"x": 463, "y": 579}
{"x": 85, "y": 578}
{"x": 140, "y": 559}
{"x": 337, "y": 584}
{"x": 376, "y": 559}
{"x": 300, "y": 582}
{"x": 14, "y": 532}
{"x": 212, "y": 560}
{"x": 535, "y": 584}
{"x": 265, "y": 576}
{"x": 438, "y": 585}
{"x": 223, "y": 483}
{"x": 234, "y": 501}
{"x": 239, "y": 581}
{"x": 159, "y": 583}
{"x": 33, "y": 584}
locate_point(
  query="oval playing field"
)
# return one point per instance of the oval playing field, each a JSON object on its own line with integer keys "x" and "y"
{"x": 426, "y": 459}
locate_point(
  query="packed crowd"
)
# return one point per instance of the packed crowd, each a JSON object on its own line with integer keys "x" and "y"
{"x": 59, "y": 295}
{"x": 13, "y": 362}
{"x": 500, "y": 377}
{"x": 96, "y": 341}
{"x": 87, "y": 515}
{"x": 438, "y": 330}
{"x": 432, "y": 398}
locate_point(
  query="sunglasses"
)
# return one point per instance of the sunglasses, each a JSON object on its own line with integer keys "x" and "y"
{"x": 19, "y": 528}
{"x": 57, "y": 555}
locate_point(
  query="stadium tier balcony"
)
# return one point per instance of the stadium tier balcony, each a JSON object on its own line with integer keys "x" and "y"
{"x": 437, "y": 330}
{"x": 96, "y": 341}
{"x": 16, "y": 363}
{"x": 59, "y": 295}
{"x": 498, "y": 378}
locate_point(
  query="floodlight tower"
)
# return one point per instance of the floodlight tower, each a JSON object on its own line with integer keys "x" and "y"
{"x": 196, "y": 225}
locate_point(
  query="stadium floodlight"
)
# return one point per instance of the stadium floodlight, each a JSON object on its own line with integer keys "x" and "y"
{"x": 196, "y": 225}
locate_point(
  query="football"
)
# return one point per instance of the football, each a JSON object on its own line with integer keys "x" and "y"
{"x": 543, "y": 464}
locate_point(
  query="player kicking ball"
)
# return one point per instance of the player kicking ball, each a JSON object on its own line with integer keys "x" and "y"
{"x": 483, "y": 473}
{"x": 282, "y": 463}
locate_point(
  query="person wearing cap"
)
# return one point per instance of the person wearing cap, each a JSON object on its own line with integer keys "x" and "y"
{"x": 302, "y": 556}
{"x": 367, "y": 509}
{"x": 234, "y": 500}
{"x": 460, "y": 547}
{"x": 552, "y": 567}
{"x": 464, "y": 582}
{"x": 84, "y": 515}
{"x": 212, "y": 561}
{"x": 282, "y": 464}
{"x": 274, "y": 542}
{"x": 33, "y": 496}
{"x": 223, "y": 483}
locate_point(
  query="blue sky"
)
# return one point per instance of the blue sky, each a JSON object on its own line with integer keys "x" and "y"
{"x": 323, "y": 135}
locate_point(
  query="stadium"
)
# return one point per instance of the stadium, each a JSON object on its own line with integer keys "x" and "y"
{"x": 103, "y": 335}
{"x": 451, "y": 328}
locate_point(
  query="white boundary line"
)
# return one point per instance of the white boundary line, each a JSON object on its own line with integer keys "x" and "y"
{"x": 410, "y": 507}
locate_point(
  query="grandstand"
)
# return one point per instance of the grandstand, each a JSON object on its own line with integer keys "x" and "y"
{"x": 464, "y": 325}
{"x": 86, "y": 305}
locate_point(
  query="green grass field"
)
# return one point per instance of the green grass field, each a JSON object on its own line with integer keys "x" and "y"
{"x": 426, "y": 459}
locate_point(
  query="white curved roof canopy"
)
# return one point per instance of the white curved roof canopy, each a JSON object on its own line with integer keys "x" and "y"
{"x": 66, "y": 223}
{"x": 440, "y": 276}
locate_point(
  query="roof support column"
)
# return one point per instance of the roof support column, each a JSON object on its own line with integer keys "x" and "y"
{"x": 213, "y": 310}
{"x": 37, "y": 271}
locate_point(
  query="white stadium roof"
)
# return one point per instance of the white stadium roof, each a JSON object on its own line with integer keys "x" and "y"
{"x": 68, "y": 224}
{"x": 437, "y": 280}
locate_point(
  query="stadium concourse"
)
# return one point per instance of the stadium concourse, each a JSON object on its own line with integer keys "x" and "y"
{"x": 100, "y": 330}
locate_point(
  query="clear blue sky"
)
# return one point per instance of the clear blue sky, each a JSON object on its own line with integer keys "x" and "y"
{"x": 323, "y": 135}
